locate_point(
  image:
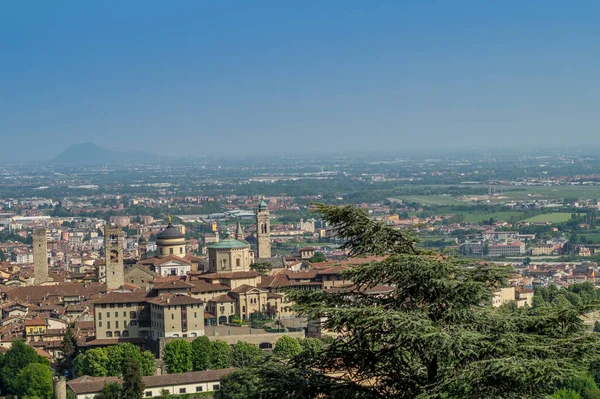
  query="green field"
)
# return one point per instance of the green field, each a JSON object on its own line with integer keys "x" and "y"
{"x": 549, "y": 192}
{"x": 478, "y": 217}
{"x": 558, "y": 217}
{"x": 431, "y": 199}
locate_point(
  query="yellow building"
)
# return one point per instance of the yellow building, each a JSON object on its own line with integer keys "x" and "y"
{"x": 35, "y": 329}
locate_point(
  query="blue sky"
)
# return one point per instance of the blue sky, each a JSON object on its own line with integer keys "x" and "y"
{"x": 234, "y": 77}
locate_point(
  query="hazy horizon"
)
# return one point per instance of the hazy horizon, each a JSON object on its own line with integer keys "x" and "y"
{"x": 196, "y": 78}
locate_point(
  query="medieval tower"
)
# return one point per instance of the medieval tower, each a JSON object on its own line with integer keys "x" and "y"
{"x": 263, "y": 231}
{"x": 40, "y": 257}
{"x": 113, "y": 248}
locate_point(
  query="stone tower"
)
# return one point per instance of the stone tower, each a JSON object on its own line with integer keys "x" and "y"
{"x": 113, "y": 249}
{"x": 239, "y": 231}
{"x": 143, "y": 248}
{"x": 40, "y": 257}
{"x": 263, "y": 231}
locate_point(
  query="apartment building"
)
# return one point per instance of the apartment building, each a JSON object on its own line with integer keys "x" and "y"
{"x": 176, "y": 315}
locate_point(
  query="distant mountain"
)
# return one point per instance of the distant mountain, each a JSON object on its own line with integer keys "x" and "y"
{"x": 89, "y": 153}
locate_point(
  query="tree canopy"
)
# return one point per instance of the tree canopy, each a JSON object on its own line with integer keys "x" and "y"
{"x": 109, "y": 361}
{"x": 178, "y": 356}
{"x": 430, "y": 332}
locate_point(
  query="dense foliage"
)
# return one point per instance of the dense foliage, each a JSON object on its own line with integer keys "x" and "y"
{"x": 109, "y": 361}
{"x": 431, "y": 334}
{"x": 201, "y": 354}
{"x": 23, "y": 371}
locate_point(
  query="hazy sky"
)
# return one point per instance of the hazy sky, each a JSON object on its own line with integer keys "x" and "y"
{"x": 217, "y": 77}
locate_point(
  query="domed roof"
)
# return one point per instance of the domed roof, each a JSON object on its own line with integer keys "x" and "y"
{"x": 228, "y": 243}
{"x": 262, "y": 206}
{"x": 169, "y": 233}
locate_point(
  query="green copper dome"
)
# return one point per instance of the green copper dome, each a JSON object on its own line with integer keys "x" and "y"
{"x": 262, "y": 206}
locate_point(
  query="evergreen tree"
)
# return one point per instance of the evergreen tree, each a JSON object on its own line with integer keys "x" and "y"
{"x": 133, "y": 385}
{"x": 431, "y": 334}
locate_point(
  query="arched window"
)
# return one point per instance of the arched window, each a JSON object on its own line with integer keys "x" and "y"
{"x": 109, "y": 334}
{"x": 238, "y": 262}
{"x": 117, "y": 334}
{"x": 125, "y": 333}
{"x": 263, "y": 228}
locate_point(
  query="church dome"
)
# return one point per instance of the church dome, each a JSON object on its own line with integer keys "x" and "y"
{"x": 170, "y": 233}
{"x": 229, "y": 243}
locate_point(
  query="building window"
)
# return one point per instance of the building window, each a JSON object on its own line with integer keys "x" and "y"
{"x": 171, "y": 251}
{"x": 148, "y": 394}
{"x": 238, "y": 262}
{"x": 133, "y": 323}
{"x": 181, "y": 390}
{"x": 109, "y": 334}
{"x": 99, "y": 324}
{"x": 125, "y": 333}
{"x": 172, "y": 316}
{"x": 199, "y": 389}
{"x": 216, "y": 387}
{"x": 161, "y": 251}
{"x": 99, "y": 315}
{"x": 117, "y": 324}
{"x": 107, "y": 314}
{"x": 132, "y": 315}
{"x": 180, "y": 250}
{"x": 195, "y": 315}
{"x": 108, "y": 324}
{"x": 124, "y": 314}
{"x": 116, "y": 314}
{"x": 117, "y": 334}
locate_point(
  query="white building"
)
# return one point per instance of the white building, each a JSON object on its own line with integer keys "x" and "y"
{"x": 86, "y": 387}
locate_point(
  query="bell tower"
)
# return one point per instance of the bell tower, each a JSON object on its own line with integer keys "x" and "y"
{"x": 263, "y": 231}
{"x": 40, "y": 257}
{"x": 113, "y": 248}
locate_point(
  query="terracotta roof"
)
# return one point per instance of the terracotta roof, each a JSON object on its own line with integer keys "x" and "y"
{"x": 276, "y": 281}
{"x": 35, "y": 322}
{"x": 246, "y": 288}
{"x": 177, "y": 284}
{"x": 232, "y": 275}
{"x": 174, "y": 299}
{"x": 121, "y": 297}
{"x": 203, "y": 286}
{"x": 88, "y": 385}
{"x": 222, "y": 298}
{"x": 333, "y": 270}
{"x": 35, "y": 294}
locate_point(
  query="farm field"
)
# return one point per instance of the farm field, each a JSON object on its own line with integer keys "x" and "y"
{"x": 478, "y": 217}
{"x": 549, "y": 192}
{"x": 431, "y": 199}
{"x": 558, "y": 217}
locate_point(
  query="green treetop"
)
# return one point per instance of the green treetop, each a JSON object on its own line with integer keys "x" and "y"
{"x": 431, "y": 334}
